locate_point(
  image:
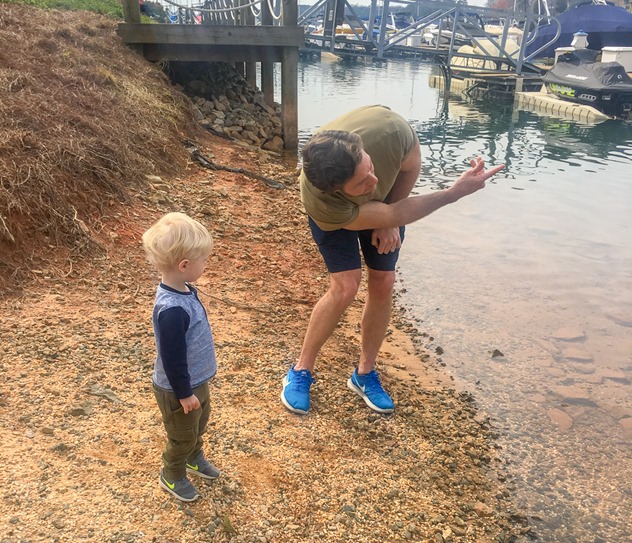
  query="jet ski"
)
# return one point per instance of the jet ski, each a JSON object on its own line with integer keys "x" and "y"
{"x": 579, "y": 77}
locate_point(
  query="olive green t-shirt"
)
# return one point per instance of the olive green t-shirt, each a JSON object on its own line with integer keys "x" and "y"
{"x": 387, "y": 139}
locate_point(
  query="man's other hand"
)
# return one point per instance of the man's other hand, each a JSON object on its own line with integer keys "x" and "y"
{"x": 386, "y": 240}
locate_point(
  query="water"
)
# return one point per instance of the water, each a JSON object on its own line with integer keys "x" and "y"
{"x": 538, "y": 266}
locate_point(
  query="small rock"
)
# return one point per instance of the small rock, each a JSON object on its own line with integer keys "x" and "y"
{"x": 569, "y": 334}
{"x": 626, "y": 423}
{"x": 482, "y": 510}
{"x": 573, "y": 353}
{"x": 563, "y": 420}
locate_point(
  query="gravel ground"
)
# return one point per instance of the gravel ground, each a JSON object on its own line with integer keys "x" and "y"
{"x": 83, "y": 437}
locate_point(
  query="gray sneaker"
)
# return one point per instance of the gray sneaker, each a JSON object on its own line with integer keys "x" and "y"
{"x": 181, "y": 489}
{"x": 201, "y": 467}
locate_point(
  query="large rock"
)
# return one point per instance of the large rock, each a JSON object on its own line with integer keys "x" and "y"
{"x": 275, "y": 144}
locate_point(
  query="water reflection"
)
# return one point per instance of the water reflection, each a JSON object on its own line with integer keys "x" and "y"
{"x": 509, "y": 136}
{"x": 539, "y": 266}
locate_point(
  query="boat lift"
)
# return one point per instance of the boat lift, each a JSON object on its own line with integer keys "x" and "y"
{"x": 454, "y": 18}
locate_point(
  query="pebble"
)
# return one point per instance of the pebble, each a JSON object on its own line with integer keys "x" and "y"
{"x": 579, "y": 355}
{"x": 559, "y": 417}
{"x": 569, "y": 334}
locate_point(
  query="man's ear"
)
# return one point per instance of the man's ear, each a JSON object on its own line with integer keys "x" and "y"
{"x": 183, "y": 264}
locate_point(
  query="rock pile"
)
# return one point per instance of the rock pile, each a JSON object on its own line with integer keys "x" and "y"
{"x": 226, "y": 103}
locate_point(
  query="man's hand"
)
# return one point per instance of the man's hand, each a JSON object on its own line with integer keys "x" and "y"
{"x": 386, "y": 240}
{"x": 473, "y": 179}
{"x": 190, "y": 403}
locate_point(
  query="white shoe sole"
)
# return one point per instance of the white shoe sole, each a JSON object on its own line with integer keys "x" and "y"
{"x": 362, "y": 395}
{"x": 177, "y": 496}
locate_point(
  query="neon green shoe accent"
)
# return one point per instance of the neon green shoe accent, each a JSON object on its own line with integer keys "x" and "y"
{"x": 182, "y": 489}
{"x": 194, "y": 468}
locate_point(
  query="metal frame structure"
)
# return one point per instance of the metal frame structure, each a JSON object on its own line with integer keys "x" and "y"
{"x": 454, "y": 15}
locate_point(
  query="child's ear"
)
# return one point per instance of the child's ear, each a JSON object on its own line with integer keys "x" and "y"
{"x": 183, "y": 265}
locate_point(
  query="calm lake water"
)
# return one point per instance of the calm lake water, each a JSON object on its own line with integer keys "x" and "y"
{"x": 538, "y": 266}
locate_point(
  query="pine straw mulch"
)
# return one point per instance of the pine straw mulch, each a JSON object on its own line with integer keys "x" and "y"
{"x": 82, "y": 119}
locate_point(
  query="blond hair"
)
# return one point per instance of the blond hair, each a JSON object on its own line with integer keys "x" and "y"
{"x": 176, "y": 237}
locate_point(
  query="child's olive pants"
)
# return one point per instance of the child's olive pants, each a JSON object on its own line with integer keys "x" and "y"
{"x": 184, "y": 432}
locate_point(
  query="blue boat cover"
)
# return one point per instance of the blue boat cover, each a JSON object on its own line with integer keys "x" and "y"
{"x": 606, "y": 26}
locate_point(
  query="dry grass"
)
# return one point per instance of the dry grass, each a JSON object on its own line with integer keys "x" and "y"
{"x": 83, "y": 120}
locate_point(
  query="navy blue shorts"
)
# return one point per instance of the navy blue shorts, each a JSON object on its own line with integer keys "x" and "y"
{"x": 341, "y": 250}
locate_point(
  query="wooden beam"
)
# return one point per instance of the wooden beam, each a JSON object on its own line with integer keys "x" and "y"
{"x": 212, "y": 34}
{"x": 251, "y": 67}
{"x": 289, "y": 97}
{"x": 155, "y": 52}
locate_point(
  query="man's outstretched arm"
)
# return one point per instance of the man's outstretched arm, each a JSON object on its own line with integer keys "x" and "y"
{"x": 381, "y": 215}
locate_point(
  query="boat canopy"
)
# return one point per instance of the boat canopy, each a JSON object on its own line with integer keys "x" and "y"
{"x": 606, "y": 26}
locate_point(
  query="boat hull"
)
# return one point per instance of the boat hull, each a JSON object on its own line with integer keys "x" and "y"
{"x": 615, "y": 104}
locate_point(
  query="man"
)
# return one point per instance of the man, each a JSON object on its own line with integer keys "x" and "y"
{"x": 358, "y": 171}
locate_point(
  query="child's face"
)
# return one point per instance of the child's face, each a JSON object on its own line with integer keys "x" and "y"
{"x": 193, "y": 268}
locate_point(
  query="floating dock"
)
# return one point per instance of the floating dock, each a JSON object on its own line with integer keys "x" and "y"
{"x": 549, "y": 104}
{"x": 539, "y": 101}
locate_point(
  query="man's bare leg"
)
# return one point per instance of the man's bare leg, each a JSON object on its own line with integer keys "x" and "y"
{"x": 376, "y": 316}
{"x": 377, "y": 313}
{"x": 343, "y": 287}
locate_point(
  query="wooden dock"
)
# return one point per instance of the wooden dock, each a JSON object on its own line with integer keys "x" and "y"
{"x": 248, "y": 44}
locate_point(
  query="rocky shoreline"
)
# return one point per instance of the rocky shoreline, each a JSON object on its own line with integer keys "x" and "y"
{"x": 76, "y": 398}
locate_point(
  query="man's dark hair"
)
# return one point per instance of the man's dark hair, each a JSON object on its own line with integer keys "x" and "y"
{"x": 330, "y": 159}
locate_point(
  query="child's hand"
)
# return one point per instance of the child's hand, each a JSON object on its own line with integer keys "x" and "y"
{"x": 190, "y": 403}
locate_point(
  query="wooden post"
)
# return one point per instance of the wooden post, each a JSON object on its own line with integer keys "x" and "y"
{"x": 131, "y": 11}
{"x": 267, "y": 67}
{"x": 289, "y": 80}
{"x": 289, "y": 97}
{"x": 248, "y": 18}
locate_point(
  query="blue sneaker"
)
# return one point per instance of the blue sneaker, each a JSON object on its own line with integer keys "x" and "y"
{"x": 295, "y": 394}
{"x": 369, "y": 388}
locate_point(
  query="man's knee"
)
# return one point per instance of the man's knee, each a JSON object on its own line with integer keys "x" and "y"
{"x": 381, "y": 282}
{"x": 344, "y": 285}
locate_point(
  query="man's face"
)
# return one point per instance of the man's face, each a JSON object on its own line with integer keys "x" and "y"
{"x": 363, "y": 181}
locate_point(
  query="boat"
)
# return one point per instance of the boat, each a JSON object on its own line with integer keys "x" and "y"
{"x": 579, "y": 77}
{"x": 606, "y": 25}
{"x": 496, "y": 28}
